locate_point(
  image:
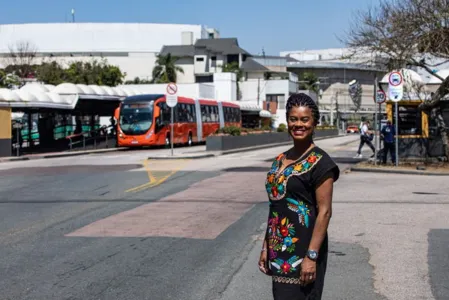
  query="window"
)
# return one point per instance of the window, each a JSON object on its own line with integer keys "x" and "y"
{"x": 209, "y": 113}
{"x": 213, "y": 61}
{"x": 185, "y": 113}
{"x": 231, "y": 114}
{"x": 410, "y": 120}
{"x": 199, "y": 59}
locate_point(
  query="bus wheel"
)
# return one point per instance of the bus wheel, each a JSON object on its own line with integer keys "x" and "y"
{"x": 189, "y": 140}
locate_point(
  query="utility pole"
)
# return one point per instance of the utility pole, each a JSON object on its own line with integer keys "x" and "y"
{"x": 258, "y": 92}
{"x": 73, "y": 15}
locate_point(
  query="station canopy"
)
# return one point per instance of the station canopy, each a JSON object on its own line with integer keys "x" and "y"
{"x": 62, "y": 96}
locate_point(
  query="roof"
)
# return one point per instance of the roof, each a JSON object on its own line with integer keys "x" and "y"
{"x": 96, "y": 37}
{"x": 63, "y": 96}
{"x": 224, "y": 45}
{"x": 179, "y": 51}
{"x": 251, "y": 65}
{"x": 331, "y": 65}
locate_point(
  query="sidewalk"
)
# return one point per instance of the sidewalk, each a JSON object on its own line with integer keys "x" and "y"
{"x": 195, "y": 152}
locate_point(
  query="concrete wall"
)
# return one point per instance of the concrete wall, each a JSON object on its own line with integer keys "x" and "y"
{"x": 223, "y": 143}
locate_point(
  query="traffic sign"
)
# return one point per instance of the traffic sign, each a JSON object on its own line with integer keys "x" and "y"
{"x": 395, "y": 94}
{"x": 395, "y": 79}
{"x": 171, "y": 100}
{"x": 172, "y": 88}
{"x": 380, "y": 97}
{"x": 395, "y": 87}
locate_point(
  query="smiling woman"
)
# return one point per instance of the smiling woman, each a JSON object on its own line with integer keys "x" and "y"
{"x": 299, "y": 186}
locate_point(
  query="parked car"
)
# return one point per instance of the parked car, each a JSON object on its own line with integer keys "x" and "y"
{"x": 352, "y": 129}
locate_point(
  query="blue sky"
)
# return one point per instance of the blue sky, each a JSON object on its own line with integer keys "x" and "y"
{"x": 276, "y": 26}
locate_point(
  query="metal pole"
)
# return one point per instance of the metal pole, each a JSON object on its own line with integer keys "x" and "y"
{"x": 18, "y": 140}
{"x": 397, "y": 132}
{"x": 171, "y": 132}
{"x": 375, "y": 121}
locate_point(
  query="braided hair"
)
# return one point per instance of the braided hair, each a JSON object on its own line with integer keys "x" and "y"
{"x": 302, "y": 99}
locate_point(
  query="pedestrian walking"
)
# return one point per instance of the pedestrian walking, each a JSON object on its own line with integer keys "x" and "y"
{"x": 299, "y": 186}
{"x": 388, "y": 134}
{"x": 366, "y": 136}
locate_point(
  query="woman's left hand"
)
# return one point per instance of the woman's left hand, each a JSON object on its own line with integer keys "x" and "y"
{"x": 308, "y": 271}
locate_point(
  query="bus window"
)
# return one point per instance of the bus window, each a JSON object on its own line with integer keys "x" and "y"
{"x": 136, "y": 118}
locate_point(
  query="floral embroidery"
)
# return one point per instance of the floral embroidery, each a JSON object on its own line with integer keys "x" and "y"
{"x": 276, "y": 184}
{"x": 281, "y": 235}
{"x": 287, "y": 266}
{"x": 301, "y": 209}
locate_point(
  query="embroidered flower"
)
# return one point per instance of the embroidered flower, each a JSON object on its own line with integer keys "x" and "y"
{"x": 298, "y": 167}
{"x": 312, "y": 159}
{"x": 285, "y": 267}
{"x": 288, "y": 241}
{"x": 284, "y": 231}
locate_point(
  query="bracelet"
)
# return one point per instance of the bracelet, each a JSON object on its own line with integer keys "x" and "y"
{"x": 263, "y": 249}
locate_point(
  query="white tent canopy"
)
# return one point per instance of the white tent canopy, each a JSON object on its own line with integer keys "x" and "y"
{"x": 64, "y": 95}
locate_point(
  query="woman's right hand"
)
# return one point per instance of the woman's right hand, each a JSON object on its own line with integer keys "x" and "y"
{"x": 263, "y": 262}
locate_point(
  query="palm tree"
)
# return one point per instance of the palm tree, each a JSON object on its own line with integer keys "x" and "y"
{"x": 165, "y": 69}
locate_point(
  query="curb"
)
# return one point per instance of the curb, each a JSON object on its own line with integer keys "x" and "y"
{"x": 182, "y": 157}
{"x": 67, "y": 154}
{"x": 403, "y": 172}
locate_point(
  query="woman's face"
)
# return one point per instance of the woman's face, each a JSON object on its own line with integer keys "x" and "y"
{"x": 300, "y": 123}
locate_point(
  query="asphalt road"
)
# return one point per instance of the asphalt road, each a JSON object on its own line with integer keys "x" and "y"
{"x": 117, "y": 226}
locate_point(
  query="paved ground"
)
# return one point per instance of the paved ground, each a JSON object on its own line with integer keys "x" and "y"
{"x": 117, "y": 226}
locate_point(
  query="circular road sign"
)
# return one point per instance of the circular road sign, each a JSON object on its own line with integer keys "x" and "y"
{"x": 380, "y": 97}
{"x": 395, "y": 79}
{"x": 172, "y": 88}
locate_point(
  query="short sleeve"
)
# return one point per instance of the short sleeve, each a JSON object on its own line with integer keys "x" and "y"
{"x": 325, "y": 167}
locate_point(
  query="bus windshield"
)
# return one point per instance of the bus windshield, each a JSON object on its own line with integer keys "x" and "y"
{"x": 136, "y": 117}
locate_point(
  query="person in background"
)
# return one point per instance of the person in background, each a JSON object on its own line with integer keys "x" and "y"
{"x": 365, "y": 138}
{"x": 388, "y": 134}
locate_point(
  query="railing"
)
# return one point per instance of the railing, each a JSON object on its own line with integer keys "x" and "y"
{"x": 86, "y": 137}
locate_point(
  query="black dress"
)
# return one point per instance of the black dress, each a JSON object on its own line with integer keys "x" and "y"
{"x": 291, "y": 220}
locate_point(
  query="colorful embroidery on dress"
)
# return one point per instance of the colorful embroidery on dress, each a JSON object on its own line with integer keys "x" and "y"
{"x": 276, "y": 184}
{"x": 301, "y": 209}
{"x": 287, "y": 266}
{"x": 281, "y": 236}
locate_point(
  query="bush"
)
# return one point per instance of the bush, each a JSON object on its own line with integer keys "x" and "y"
{"x": 231, "y": 130}
{"x": 282, "y": 128}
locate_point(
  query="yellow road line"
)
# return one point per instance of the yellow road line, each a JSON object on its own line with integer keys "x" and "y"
{"x": 150, "y": 175}
{"x": 153, "y": 182}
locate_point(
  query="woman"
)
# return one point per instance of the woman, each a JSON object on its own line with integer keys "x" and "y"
{"x": 299, "y": 185}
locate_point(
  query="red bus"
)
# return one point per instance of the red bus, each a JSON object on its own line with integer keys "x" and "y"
{"x": 144, "y": 120}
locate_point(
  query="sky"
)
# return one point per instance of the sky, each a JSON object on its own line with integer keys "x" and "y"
{"x": 275, "y": 26}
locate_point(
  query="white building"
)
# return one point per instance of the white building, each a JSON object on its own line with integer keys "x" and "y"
{"x": 131, "y": 46}
{"x": 335, "y": 69}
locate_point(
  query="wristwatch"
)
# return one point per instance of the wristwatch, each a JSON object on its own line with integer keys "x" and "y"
{"x": 313, "y": 255}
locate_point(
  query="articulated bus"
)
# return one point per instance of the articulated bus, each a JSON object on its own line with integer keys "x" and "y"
{"x": 144, "y": 120}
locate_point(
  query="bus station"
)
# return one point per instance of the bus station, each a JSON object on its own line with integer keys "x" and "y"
{"x": 73, "y": 116}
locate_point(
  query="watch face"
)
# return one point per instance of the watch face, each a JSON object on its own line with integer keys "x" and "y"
{"x": 312, "y": 254}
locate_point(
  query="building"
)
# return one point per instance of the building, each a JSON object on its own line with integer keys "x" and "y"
{"x": 335, "y": 70}
{"x": 131, "y": 46}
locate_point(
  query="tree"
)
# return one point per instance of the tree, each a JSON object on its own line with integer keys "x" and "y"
{"x": 22, "y": 57}
{"x": 165, "y": 69}
{"x": 51, "y": 73}
{"x": 234, "y": 68}
{"x": 407, "y": 33}
{"x": 309, "y": 82}
{"x": 94, "y": 72}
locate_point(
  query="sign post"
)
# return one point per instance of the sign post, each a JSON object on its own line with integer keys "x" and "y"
{"x": 171, "y": 99}
{"x": 379, "y": 98}
{"x": 396, "y": 93}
